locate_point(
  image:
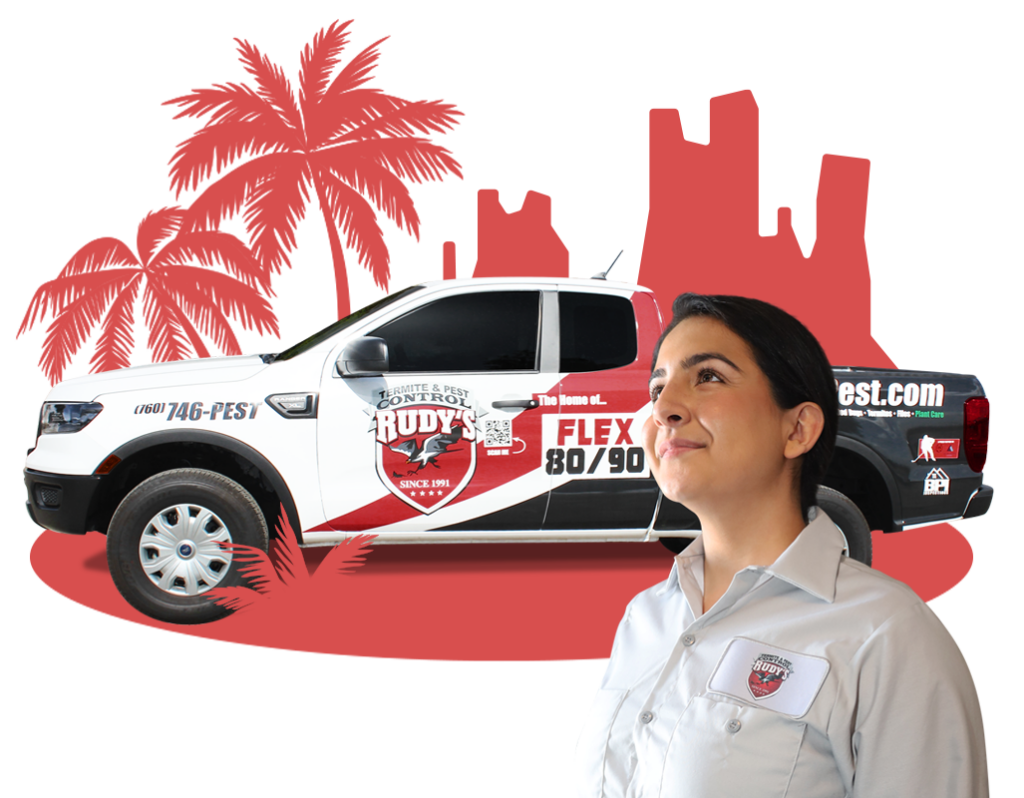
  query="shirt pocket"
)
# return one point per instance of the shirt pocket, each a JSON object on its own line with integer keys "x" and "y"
{"x": 593, "y": 745}
{"x": 726, "y": 748}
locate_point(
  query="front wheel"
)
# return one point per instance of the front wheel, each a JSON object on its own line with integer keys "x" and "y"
{"x": 851, "y": 522}
{"x": 163, "y": 542}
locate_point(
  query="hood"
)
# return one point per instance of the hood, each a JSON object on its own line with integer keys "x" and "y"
{"x": 158, "y": 375}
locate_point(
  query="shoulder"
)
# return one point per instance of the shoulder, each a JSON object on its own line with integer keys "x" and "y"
{"x": 876, "y": 598}
{"x": 896, "y": 626}
{"x": 856, "y": 575}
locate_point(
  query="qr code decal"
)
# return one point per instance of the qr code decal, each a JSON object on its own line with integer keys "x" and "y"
{"x": 498, "y": 432}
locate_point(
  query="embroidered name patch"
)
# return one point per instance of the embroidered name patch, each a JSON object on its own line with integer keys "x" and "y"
{"x": 780, "y": 680}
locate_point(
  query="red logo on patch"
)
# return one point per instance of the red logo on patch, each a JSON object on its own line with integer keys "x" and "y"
{"x": 426, "y": 453}
{"x": 767, "y": 675}
{"x": 938, "y": 448}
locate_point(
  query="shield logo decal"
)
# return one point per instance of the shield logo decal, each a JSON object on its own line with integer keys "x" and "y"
{"x": 426, "y": 452}
{"x": 767, "y": 674}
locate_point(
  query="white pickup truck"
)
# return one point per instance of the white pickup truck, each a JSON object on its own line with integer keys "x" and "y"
{"x": 462, "y": 410}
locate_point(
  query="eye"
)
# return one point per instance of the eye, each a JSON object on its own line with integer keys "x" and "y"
{"x": 708, "y": 375}
{"x": 655, "y": 392}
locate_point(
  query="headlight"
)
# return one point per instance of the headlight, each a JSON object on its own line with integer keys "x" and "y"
{"x": 67, "y": 416}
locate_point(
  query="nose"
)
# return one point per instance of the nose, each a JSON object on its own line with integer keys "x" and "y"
{"x": 672, "y": 407}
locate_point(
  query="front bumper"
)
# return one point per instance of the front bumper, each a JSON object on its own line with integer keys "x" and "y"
{"x": 59, "y": 501}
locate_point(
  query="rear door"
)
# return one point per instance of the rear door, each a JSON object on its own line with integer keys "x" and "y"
{"x": 594, "y": 448}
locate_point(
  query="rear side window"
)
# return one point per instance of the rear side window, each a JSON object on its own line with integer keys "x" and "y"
{"x": 483, "y": 331}
{"x": 597, "y": 331}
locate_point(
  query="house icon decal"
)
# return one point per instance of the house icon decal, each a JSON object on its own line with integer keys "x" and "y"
{"x": 936, "y": 483}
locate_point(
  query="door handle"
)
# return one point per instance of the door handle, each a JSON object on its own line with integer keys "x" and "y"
{"x": 527, "y": 404}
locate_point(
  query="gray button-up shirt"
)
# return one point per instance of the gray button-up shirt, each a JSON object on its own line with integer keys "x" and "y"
{"x": 814, "y": 676}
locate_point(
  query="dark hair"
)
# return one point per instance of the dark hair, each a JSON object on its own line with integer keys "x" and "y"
{"x": 790, "y": 357}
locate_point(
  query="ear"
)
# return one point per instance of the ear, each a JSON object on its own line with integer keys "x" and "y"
{"x": 804, "y": 424}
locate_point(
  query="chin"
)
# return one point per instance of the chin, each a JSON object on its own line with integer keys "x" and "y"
{"x": 679, "y": 498}
{"x": 675, "y": 489}
{"x": 696, "y": 489}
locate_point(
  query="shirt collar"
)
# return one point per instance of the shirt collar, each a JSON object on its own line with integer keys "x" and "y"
{"x": 810, "y": 563}
{"x": 689, "y": 559}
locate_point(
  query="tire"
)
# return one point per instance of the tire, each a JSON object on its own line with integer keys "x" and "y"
{"x": 162, "y": 564}
{"x": 844, "y": 513}
{"x": 851, "y": 522}
{"x": 676, "y": 545}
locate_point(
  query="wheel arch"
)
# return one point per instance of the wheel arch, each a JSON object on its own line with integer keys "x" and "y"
{"x": 156, "y": 452}
{"x": 862, "y": 475}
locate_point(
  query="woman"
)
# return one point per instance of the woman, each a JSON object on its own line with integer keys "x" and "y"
{"x": 769, "y": 663}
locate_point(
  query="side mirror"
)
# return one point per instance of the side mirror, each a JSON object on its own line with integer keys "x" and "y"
{"x": 363, "y": 357}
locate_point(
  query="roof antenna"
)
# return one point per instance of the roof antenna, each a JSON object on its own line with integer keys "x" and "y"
{"x": 615, "y": 269}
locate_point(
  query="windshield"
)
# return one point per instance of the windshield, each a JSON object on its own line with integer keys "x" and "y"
{"x": 341, "y": 324}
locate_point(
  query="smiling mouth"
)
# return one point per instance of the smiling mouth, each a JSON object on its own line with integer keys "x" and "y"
{"x": 677, "y": 446}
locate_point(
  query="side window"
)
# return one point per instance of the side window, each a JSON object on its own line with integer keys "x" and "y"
{"x": 597, "y": 331}
{"x": 482, "y": 331}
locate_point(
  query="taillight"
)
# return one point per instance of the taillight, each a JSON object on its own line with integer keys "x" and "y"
{"x": 976, "y": 432}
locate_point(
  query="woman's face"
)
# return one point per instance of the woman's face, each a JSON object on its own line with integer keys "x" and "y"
{"x": 715, "y": 433}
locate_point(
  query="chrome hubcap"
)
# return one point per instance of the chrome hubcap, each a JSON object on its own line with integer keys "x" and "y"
{"x": 179, "y": 552}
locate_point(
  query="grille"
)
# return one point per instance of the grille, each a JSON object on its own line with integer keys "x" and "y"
{"x": 48, "y": 496}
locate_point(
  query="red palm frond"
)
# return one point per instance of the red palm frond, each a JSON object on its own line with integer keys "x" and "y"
{"x": 276, "y": 205}
{"x": 99, "y": 254}
{"x": 234, "y": 598}
{"x": 372, "y": 180}
{"x": 404, "y": 118}
{"x": 413, "y": 158}
{"x": 321, "y": 58}
{"x": 215, "y": 147}
{"x": 211, "y": 247}
{"x": 168, "y": 339}
{"x": 156, "y": 227}
{"x": 227, "y": 102}
{"x": 335, "y": 115}
{"x": 345, "y": 557}
{"x": 55, "y": 295}
{"x": 259, "y": 67}
{"x": 278, "y": 576}
{"x": 355, "y": 73}
{"x": 356, "y": 218}
{"x": 256, "y": 566}
{"x": 114, "y": 347}
{"x": 288, "y": 559}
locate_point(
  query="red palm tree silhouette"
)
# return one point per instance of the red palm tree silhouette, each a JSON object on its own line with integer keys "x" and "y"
{"x": 282, "y": 577}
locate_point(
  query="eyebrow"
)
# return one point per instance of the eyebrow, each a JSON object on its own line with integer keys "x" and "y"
{"x": 694, "y": 360}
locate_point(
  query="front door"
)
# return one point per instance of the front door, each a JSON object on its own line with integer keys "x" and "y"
{"x": 450, "y": 436}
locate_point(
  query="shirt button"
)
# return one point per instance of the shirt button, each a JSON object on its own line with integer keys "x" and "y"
{"x": 689, "y": 640}
{"x": 733, "y": 726}
{"x": 647, "y": 717}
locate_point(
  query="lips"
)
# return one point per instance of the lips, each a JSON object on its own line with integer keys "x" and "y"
{"x": 677, "y": 446}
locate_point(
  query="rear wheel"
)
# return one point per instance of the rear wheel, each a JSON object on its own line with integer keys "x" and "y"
{"x": 163, "y": 542}
{"x": 851, "y": 522}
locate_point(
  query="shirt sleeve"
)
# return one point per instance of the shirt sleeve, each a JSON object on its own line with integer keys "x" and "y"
{"x": 915, "y": 724}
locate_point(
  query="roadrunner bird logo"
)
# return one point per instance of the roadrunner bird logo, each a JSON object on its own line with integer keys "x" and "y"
{"x": 425, "y": 453}
{"x": 767, "y": 674}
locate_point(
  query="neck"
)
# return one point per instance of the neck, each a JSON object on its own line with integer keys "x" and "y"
{"x": 745, "y": 533}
